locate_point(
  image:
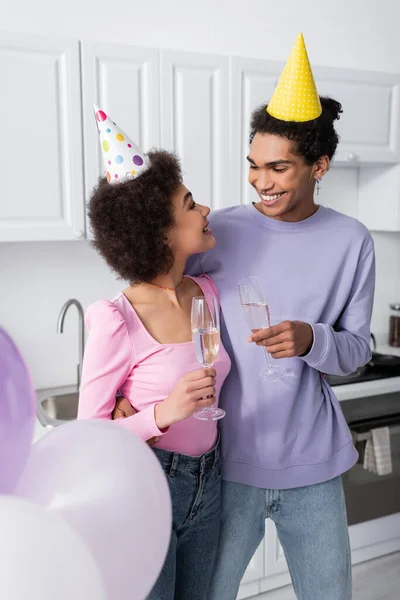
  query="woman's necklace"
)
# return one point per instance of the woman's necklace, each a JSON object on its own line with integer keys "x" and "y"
{"x": 163, "y": 287}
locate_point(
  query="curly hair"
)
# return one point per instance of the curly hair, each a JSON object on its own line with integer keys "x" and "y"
{"x": 312, "y": 139}
{"x": 130, "y": 219}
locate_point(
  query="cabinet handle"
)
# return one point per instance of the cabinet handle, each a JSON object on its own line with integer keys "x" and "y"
{"x": 78, "y": 233}
{"x": 352, "y": 157}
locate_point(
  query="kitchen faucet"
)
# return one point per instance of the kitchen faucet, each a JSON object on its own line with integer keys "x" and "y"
{"x": 60, "y": 329}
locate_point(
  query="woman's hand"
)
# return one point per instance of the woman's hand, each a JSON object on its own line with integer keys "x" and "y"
{"x": 196, "y": 390}
{"x": 123, "y": 409}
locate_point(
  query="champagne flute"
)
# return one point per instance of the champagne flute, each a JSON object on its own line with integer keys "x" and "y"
{"x": 206, "y": 336}
{"x": 256, "y": 311}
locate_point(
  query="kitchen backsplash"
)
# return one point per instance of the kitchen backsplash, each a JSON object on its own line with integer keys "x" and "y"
{"x": 37, "y": 278}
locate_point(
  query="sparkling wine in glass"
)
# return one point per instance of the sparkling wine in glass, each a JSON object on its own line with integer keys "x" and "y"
{"x": 206, "y": 336}
{"x": 256, "y": 311}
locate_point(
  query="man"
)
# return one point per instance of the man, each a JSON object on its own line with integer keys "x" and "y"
{"x": 285, "y": 444}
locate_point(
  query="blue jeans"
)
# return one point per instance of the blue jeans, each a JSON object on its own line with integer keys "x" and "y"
{"x": 195, "y": 486}
{"x": 312, "y": 527}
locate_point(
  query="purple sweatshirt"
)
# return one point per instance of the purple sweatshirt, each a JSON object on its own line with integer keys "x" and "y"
{"x": 322, "y": 271}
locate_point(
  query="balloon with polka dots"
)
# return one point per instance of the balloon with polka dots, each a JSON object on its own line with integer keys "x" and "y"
{"x": 123, "y": 159}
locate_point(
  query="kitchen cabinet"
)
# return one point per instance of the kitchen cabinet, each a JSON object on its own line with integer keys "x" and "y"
{"x": 379, "y": 198}
{"x": 369, "y": 127}
{"x": 255, "y": 570}
{"x": 374, "y": 538}
{"x": 250, "y": 585}
{"x": 252, "y": 84}
{"x": 268, "y": 568}
{"x": 195, "y": 121}
{"x": 41, "y": 149}
{"x": 198, "y": 105}
{"x": 189, "y": 91}
{"x": 124, "y": 81}
{"x": 275, "y": 561}
{"x": 276, "y": 571}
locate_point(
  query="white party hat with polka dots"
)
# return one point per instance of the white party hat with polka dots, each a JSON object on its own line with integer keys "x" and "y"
{"x": 295, "y": 97}
{"x": 122, "y": 158}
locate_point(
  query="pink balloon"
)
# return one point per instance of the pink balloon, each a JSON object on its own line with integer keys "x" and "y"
{"x": 110, "y": 488}
{"x": 17, "y": 414}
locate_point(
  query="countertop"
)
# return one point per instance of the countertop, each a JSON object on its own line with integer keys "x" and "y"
{"x": 366, "y": 388}
{"x": 370, "y": 388}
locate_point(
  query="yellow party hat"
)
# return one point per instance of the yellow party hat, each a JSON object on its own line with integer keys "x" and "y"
{"x": 295, "y": 97}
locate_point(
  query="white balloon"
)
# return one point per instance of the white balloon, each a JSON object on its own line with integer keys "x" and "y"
{"x": 110, "y": 488}
{"x": 41, "y": 558}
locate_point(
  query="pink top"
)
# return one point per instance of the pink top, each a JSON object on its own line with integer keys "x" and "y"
{"x": 120, "y": 354}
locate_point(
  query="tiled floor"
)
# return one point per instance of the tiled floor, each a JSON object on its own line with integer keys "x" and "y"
{"x": 374, "y": 580}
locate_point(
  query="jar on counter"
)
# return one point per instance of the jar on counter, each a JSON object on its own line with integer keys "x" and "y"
{"x": 394, "y": 325}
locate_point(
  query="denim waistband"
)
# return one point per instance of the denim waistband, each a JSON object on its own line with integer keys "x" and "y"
{"x": 174, "y": 461}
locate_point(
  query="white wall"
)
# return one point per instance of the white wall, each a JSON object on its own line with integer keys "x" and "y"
{"x": 339, "y": 191}
{"x": 387, "y": 291}
{"x": 36, "y": 278}
{"x": 360, "y": 34}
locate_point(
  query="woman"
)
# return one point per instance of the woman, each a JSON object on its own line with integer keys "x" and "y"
{"x": 146, "y": 226}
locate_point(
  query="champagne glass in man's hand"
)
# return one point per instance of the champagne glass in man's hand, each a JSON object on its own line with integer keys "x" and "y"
{"x": 256, "y": 311}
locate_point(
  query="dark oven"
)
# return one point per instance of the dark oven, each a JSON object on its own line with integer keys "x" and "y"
{"x": 368, "y": 495}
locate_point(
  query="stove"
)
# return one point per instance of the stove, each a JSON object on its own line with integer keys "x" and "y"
{"x": 368, "y": 373}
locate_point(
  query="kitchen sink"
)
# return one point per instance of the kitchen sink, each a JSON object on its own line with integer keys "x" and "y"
{"x": 57, "y": 406}
{"x": 63, "y": 407}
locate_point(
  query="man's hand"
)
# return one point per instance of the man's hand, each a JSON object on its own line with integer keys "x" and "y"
{"x": 123, "y": 409}
{"x": 285, "y": 340}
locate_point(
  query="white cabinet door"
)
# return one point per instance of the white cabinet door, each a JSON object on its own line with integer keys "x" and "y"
{"x": 253, "y": 83}
{"x": 375, "y": 538}
{"x": 275, "y": 561}
{"x": 255, "y": 570}
{"x": 379, "y": 198}
{"x": 195, "y": 119}
{"x": 250, "y": 584}
{"x": 41, "y": 139}
{"x": 369, "y": 127}
{"x": 276, "y": 572}
{"x": 124, "y": 81}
